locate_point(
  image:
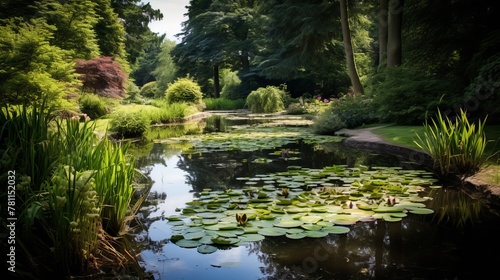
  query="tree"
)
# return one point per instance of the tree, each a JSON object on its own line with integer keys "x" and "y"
{"x": 109, "y": 30}
{"x": 74, "y": 21}
{"x": 346, "y": 35}
{"x": 102, "y": 76}
{"x": 136, "y": 16}
{"x": 217, "y": 33}
{"x": 149, "y": 61}
{"x": 165, "y": 71}
{"x": 30, "y": 67}
{"x": 394, "y": 27}
{"x": 382, "y": 32}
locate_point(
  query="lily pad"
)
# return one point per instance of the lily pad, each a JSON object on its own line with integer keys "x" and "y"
{"x": 252, "y": 237}
{"x": 315, "y": 233}
{"x": 273, "y": 231}
{"x": 336, "y": 229}
{"x": 194, "y": 235}
{"x": 298, "y": 235}
{"x": 311, "y": 227}
{"x": 225, "y": 240}
{"x": 289, "y": 224}
{"x": 206, "y": 249}
{"x": 421, "y": 211}
{"x": 185, "y": 243}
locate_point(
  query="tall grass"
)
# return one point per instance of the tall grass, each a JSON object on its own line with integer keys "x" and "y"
{"x": 25, "y": 142}
{"x": 75, "y": 190}
{"x": 457, "y": 148}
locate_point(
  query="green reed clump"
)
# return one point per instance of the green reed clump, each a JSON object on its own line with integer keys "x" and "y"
{"x": 457, "y": 148}
{"x": 74, "y": 191}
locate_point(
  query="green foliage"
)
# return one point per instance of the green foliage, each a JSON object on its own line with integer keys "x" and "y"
{"x": 266, "y": 100}
{"x": 150, "y": 90}
{"x": 167, "y": 113}
{"x": 224, "y": 103}
{"x": 456, "y": 147}
{"x": 110, "y": 31}
{"x": 354, "y": 109}
{"x": 327, "y": 123}
{"x": 30, "y": 67}
{"x": 184, "y": 90}
{"x": 25, "y": 142}
{"x": 60, "y": 169}
{"x": 166, "y": 70}
{"x": 130, "y": 124}
{"x": 405, "y": 95}
{"x": 74, "y": 22}
{"x": 230, "y": 82}
{"x": 297, "y": 108}
{"x": 93, "y": 106}
{"x": 483, "y": 91}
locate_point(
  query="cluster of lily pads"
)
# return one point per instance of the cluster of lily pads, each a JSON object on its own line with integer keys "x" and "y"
{"x": 246, "y": 138}
{"x": 299, "y": 203}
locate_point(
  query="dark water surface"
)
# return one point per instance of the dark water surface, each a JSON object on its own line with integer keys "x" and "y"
{"x": 456, "y": 242}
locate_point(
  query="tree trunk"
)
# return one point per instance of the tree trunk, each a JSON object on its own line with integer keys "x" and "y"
{"x": 394, "y": 43}
{"x": 216, "y": 81}
{"x": 245, "y": 64}
{"x": 382, "y": 32}
{"x": 349, "y": 54}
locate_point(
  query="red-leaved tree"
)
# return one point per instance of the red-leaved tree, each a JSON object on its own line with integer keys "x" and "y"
{"x": 103, "y": 76}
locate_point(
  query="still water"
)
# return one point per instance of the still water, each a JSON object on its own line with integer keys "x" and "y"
{"x": 456, "y": 242}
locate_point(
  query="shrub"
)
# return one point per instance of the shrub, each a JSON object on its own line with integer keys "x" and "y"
{"x": 230, "y": 84}
{"x": 456, "y": 147}
{"x": 223, "y": 103}
{"x": 327, "y": 123}
{"x": 150, "y": 90}
{"x": 132, "y": 124}
{"x": 184, "y": 90}
{"x": 296, "y": 109}
{"x": 93, "y": 106}
{"x": 266, "y": 100}
{"x": 483, "y": 90}
{"x": 354, "y": 110}
{"x": 168, "y": 113}
{"x": 405, "y": 95}
{"x": 103, "y": 76}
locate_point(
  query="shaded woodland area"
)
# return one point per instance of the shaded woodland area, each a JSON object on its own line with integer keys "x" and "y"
{"x": 409, "y": 57}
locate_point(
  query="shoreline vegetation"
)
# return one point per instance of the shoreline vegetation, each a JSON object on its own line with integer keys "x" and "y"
{"x": 79, "y": 187}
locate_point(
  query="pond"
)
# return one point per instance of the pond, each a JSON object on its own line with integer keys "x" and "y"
{"x": 454, "y": 238}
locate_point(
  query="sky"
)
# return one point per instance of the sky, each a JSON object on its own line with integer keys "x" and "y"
{"x": 173, "y": 15}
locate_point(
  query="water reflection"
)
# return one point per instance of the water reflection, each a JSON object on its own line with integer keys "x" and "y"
{"x": 418, "y": 247}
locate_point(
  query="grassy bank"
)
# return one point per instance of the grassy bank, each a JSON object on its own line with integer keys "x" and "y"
{"x": 405, "y": 135}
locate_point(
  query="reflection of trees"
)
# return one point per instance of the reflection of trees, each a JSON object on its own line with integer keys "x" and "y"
{"x": 219, "y": 170}
{"x": 375, "y": 250}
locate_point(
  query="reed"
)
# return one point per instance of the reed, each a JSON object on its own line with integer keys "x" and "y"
{"x": 457, "y": 148}
{"x": 75, "y": 190}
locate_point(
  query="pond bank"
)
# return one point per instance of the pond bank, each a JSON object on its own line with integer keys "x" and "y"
{"x": 365, "y": 138}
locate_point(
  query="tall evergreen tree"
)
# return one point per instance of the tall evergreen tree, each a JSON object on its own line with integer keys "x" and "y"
{"x": 136, "y": 16}
{"x": 74, "y": 21}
